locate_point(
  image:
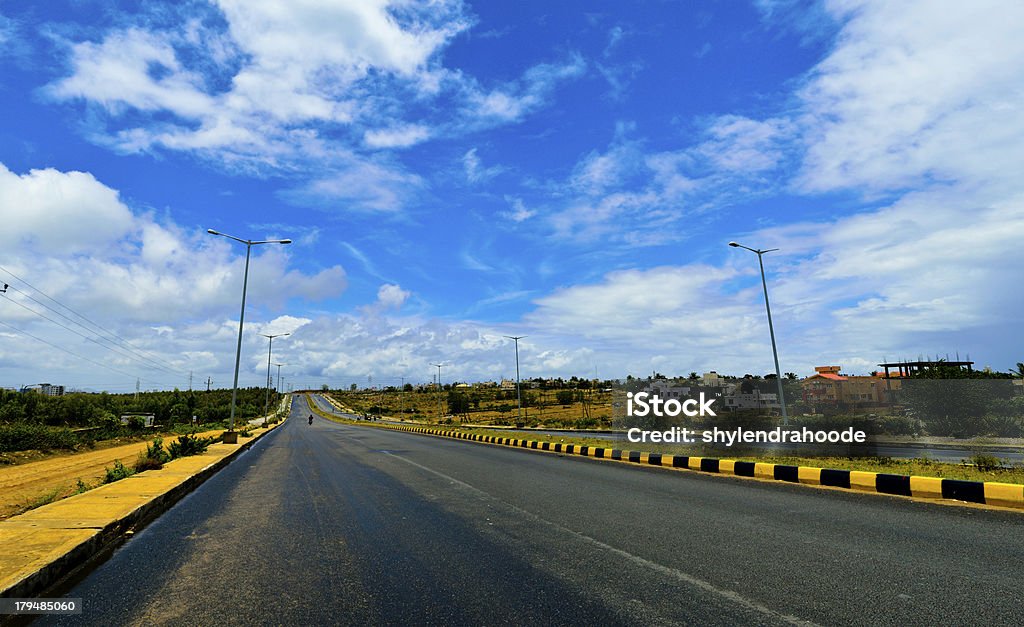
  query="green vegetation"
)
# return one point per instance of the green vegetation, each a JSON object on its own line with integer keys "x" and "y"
{"x": 154, "y": 458}
{"x": 32, "y": 421}
{"x": 572, "y": 403}
{"x": 118, "y": 472}
{"x": 952, "y": 402}
{"x": 189, "y": 444}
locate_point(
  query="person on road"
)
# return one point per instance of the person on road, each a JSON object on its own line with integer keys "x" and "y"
{"x": 311, "y": 419}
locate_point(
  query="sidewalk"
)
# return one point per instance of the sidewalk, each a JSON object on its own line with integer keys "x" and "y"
{"x": 43, "y": 545}
{"x": 22, "y": 483}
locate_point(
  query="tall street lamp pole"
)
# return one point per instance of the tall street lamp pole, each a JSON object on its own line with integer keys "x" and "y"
{"x": 771, "y": 329}
{"x": 279, "y": 376}
{"x": 231, "y": 437}
{"x": 519, "y": 396}
{"x": 438, "y": 390}
{"x": 270, "y": 349}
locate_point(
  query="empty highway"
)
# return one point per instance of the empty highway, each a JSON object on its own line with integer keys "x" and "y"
{"x": 335, "y": 524}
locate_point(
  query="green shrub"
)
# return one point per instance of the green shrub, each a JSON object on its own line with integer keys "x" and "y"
{"x": 900, "y": 425}
{"x": 118, "y": 472}
{"x": 1002, "y": 426}
{"x": 985, "y": 462}
{"x": 189, "y": 444}
{"x": 154, "y": 458}
{"x": 24, "y": 436}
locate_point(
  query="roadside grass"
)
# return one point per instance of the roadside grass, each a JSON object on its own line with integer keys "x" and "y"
{"x": 45, "y": 498}
{"x": 984, "y": 470}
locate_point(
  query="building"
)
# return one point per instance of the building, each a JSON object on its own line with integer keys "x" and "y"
{"x": 712, "y": 380}
{"x": 828, "y": 386}
{"x": 736, "y": 400}
{"x": 45, "y": 389}
{"x": 666, "y": 390}
{"x": 911, "y": 368}
{"x": 508, "y": 384}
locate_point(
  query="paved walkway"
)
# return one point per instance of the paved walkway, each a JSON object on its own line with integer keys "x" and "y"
{"x": 24, "y": 483}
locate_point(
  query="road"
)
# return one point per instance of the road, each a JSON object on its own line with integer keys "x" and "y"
{"x": 335, "y": 524}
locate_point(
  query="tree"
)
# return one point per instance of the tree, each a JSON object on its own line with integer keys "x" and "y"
{"x": 953, "y": 402}
{"x": 458, "y": 403}
{"x": 325, "y": 387}
{"x": 565, "y": 397}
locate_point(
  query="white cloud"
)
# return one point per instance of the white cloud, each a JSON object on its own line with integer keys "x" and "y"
{"x": 402, "y": 137}
{"x": 55, "y": 212}
{"x": 391, "y": 296}
{"x": 151, "y": 282}
{"x": 475, "y": 172}
{"x": 270, "y": 89}
{"x": 519, "y": 212}
{"x": 740, "y": 144}
{"x": 514, "y": 100}
{"x": 941, "y": 104}
{"x": 363, "y": 186}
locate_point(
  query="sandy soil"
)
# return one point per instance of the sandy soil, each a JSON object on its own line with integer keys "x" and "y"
{"x": 22, "y": 485}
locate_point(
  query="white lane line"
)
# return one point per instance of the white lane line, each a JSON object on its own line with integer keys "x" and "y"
{"x": 729, "y": 595}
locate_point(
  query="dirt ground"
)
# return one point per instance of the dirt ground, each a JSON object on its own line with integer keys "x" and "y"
{"x": 56, "y": 476}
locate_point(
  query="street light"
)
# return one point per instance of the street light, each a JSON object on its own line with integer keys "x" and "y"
{"x": 279, "y": 377}
{"x": 519, "y": 397}
{"x": 270, "y": 348}
{"x": 771, "y": 329}
{"x": 438, "y": 390}
{"x": 231, "y": 436}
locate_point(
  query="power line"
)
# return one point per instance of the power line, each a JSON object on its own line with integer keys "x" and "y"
{"x": 80, "y": 334}
{"x": 61, "y": 348}
{"x": 100, "y": 331}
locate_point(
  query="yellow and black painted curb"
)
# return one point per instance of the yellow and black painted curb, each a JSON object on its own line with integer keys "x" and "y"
{"x": 983, "y": 492}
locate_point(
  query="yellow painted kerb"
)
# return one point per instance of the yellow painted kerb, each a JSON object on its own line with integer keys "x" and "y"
{"x": 1004, "y": 494}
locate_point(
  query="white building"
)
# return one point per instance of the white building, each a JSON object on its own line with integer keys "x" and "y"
{"x": 735, "y": 400}
{"x": 45, "y": 389}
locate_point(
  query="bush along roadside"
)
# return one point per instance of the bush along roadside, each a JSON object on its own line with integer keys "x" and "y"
{"x": 156, "y": 455}
{"x": 118, "y": 472}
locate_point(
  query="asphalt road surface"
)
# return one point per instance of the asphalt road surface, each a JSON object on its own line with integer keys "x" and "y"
{"x": 332, "y": 524}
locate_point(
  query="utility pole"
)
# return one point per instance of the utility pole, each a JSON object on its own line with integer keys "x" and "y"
{"x": 438, "y": 390}
{"x": 401, "y": 399}
{"x": 270, "y": 348}
{"x": 519, "y": 396}
{"x": 208, "y": 381}
{"x": 771, "y": 329}
{"x": 137, "y": 382}
{"x": 189, "y": 380}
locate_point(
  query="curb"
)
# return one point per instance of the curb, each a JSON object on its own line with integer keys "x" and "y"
{"x": 80, "y": 553}
{"x": 933, "y": 488}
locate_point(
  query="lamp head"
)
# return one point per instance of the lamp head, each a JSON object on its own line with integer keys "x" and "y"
{"x": 212, "y": 232}
{"x": 734, "y": 244}
{"x": 285, "y": 241}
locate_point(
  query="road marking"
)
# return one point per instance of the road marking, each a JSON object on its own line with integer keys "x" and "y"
{"x": 729, "y": 595}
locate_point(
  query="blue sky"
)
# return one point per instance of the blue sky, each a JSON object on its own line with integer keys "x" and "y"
{"x": 452, "y": 172}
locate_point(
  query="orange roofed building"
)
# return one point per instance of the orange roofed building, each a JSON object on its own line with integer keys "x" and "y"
{"x": 828, "y": 386}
